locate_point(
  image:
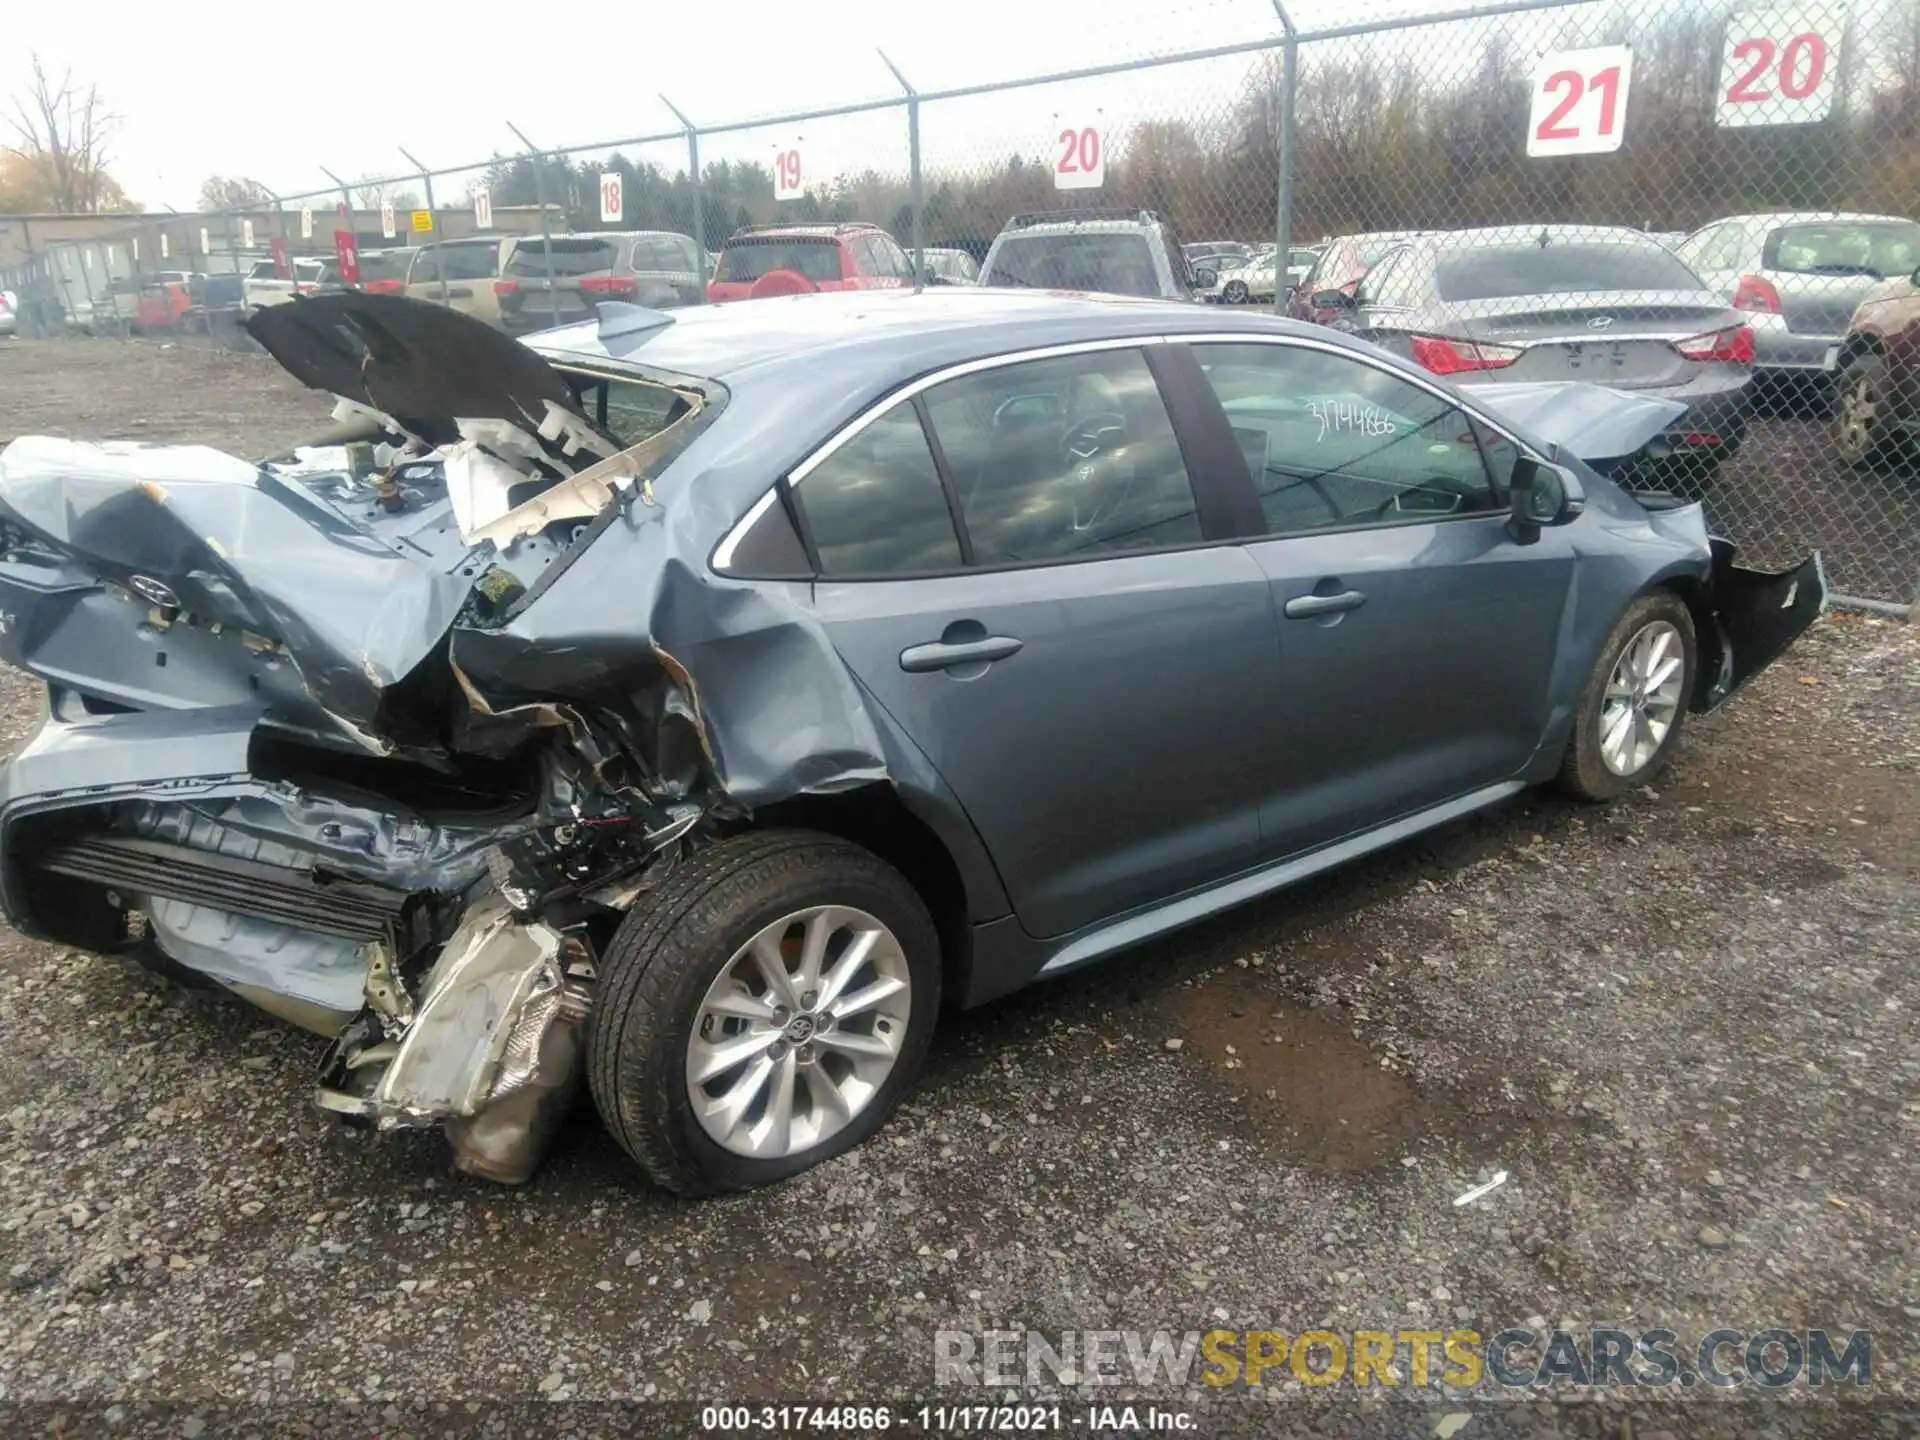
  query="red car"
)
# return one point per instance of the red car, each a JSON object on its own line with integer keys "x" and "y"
{"x": 161, "y": 305}
{"x": 1876, "y": 397}
{"x": 768, "y": 260}
{"x": 1342, "y": 266}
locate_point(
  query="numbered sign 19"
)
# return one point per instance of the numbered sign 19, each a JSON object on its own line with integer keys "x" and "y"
{"x": 482, "y": 210}
{"x": 1778, "y": 68}
{"x": 612, "y": 204}
{"x": 789, "y": 178}
{"x": 1079, "y": 158}
{"x": 1580, "y": 101}
{"x": 306, "y": 222}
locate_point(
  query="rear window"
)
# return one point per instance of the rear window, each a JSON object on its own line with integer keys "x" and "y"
{"x": 384, "y": 265}
{"x": 1496, "y": 272}
{"x": 628, "y": 410}
{"x": 570, "y": 257}
{"x": 1120, "y": 264}
{"x": 1844, "y": 248}
{"x": 817, "y": 259}
{"x": 1372, "y": 247}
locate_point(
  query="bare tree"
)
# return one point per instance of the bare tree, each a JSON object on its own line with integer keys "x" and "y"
{"x": 219, "y": 192}
{"x": 63, "y": 132}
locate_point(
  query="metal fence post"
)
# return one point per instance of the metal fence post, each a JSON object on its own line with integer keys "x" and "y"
{"x": 433, "y": 216}
{"x": 916, "y": 192}
{"x": 699, "y": 227}
{"x": 546, "y": 226}
{"x": 1283, "y": 203}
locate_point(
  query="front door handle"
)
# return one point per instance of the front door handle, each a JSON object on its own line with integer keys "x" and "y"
{"x": 942, "y": 655}
{"x": 1305, "y": 607}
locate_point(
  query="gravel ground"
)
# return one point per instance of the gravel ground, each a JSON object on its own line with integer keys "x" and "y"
{"x": 1683, "y": 1025}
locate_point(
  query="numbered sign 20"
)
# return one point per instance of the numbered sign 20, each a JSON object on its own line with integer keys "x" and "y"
{"x": 789, "y": 178}
{"x": 1079, "y": 158}
{"x": 612, "y": 203}
{"x": 1580, "y": 101}
{"x": 1778, "y": 68}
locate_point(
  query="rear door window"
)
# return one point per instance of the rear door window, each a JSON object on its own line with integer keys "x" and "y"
{"x": 876, "y": 505}
{"x": 469, "y": 262}
{"x": 1064, "y": 458}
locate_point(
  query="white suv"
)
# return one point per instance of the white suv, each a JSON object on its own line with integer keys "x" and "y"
{"x": 1114, "y": 251}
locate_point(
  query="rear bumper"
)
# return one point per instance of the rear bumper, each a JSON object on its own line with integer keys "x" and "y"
{"x": 1778, "y": 349}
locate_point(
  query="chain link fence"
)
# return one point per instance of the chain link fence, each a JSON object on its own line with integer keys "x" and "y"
{"x": 1713, "y": 202}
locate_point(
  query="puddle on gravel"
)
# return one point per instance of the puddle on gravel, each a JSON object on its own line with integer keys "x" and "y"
{"x": 1317, "y": 1093}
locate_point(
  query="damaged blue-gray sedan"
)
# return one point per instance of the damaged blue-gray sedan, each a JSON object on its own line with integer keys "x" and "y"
{"x": 691, "y": 704}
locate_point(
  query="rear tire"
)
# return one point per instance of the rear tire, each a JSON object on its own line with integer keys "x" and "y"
{"x": 679, "y": 953}
{"x": 1634, "y": 707}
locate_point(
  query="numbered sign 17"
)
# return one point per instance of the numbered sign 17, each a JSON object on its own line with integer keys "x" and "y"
{"x": 789, "y": 179}
{"x": 1580, "y": 101}
{"x": 1079, "y": 158}
{"x": 1778, "y": 68}
{"x": 482, "y": 210}
{"x": 612, "y": 205}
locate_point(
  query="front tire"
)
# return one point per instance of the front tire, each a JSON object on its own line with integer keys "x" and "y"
{"x": 763, "y": 1010}
{"x": 1635, "y": 702}
{"x": 1234, "y": 292}
{"x": 1862, "y": 428}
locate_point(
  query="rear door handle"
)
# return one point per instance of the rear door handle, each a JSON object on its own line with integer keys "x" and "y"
{"x": 940, "y": 655}
{"x": 1305, "y": 607}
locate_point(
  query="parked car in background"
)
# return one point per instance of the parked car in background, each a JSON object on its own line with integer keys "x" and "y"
{"x": 1338, "y": 267}
{"x": 1876, "y": 403}
{"x": 468, "y": 268}
{"x": 162, "y": 303}
{"x": 262, "y": 287}
{"x": 1108, "y": 251}
{"x": 215, "y": 299}
{"x": 1525, "y": 304}
{"x": 1253, "y": 283}
{"x": 951, "y": 267}
{"x": 717, "y": 809}
{"x": 1799, "y": 277}
{"x": 762, "y": 261}
{"x": 383, "y": 272}
{"x": 9, "y": 312}
{"x": 1221, "y": 255}
{"x": 655, "y": 268}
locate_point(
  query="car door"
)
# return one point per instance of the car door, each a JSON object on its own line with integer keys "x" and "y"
{"x": 1416, "y": 636}
{"x": 1382, "y": 301}
{"x": 1052, "y": 615}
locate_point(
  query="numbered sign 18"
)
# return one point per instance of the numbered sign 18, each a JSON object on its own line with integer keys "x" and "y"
{"x": 482, "y": 210}
{"x": 1580, "y": 101}
{"x": 612, "y": 205}
{"x": 789, "y": 178}
{"x": 1778, "y": 68}
{"x": 387, "y": 226}
{"x": 1079, "y": 158}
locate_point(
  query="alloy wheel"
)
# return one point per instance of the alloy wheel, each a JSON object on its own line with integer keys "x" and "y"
{"x": 1642, "y": 698}
{"x": 1858, "y": 410}
{"x": 798, "y": 1032}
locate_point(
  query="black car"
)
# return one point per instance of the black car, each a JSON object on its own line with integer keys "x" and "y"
{"x": 1523, "y": 305}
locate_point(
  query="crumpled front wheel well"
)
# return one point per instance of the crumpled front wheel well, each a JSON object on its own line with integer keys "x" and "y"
{"x": 1709, "y": 637}
{"x": 874, "y": 818}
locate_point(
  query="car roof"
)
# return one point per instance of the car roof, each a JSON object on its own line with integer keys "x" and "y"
{"x": 826, "y": 230}
{"x": 1810, "y": 217}
{"x": 881, "y": 337}
{"x": 1079, "y": 227}
{"x": 1521, "y": 236}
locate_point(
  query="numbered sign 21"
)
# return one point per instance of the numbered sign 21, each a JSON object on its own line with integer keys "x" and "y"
{"x": 612, "y": 203}
{"x": 1079, "y": 158}
{"x": 1580, "y": 101}
{"x": 789, "y": 178}
{"x": 1778, "y": 68}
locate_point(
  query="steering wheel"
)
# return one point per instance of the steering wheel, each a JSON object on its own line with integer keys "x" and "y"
{"x": 1092, "y": 436}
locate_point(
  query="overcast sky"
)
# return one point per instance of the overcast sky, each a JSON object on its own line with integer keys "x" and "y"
{"x": 275, "y": 91}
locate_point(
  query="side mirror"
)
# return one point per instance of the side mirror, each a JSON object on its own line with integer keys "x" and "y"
{"x": 1205, "y": 278}
{"x": 1332, "y": 300}
{"x": 1543, "y": 494}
